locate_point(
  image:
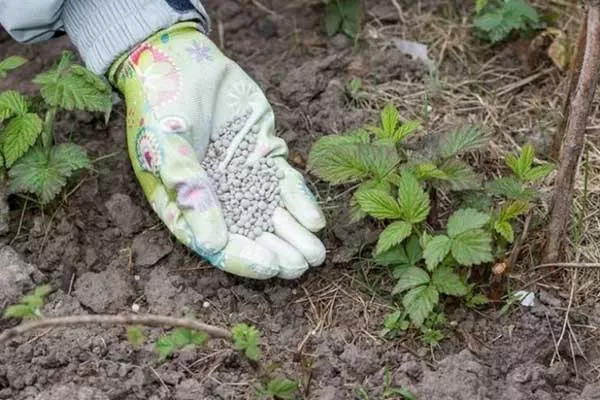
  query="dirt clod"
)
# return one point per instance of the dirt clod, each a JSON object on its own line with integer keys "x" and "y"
{"x": 106, "y": 291}
{"x": 16, "y": 277}
{"x": 124, "y": 213}
{"x": 150, "y": 247}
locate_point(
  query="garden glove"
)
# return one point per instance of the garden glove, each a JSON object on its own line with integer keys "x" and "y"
{"x": 189, "y": 107}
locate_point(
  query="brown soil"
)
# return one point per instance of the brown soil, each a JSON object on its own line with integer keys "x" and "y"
{"x": 103, "y": 251}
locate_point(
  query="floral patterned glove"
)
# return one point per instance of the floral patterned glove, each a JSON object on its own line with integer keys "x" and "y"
{"x": 190, "y": 109}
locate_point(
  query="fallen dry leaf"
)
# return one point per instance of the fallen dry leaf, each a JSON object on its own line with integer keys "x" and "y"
{"x": 559, "y": 49}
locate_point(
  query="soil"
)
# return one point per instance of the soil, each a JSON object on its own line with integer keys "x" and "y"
{"x": 103, "y": 251}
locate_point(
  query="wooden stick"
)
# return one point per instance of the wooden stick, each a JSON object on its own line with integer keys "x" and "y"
{"x": 156, "y": 321}
{"x": 573, "y": 137}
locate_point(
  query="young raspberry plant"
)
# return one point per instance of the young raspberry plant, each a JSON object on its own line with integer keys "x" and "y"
{"x": 30, "y": 159}
{"x": 343, "y": 16}
{"x": 399, "y": 186}
{"x": 496, "y": 20}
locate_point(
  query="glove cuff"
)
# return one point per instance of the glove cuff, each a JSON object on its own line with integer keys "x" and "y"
{"x": 103, "y": 30}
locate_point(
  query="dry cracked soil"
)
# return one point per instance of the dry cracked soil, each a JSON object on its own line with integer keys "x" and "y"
{"x": 103, "y": 251}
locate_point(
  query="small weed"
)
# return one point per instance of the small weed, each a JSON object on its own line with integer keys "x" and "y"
{"x": 342, "y": 16}
{"x": 395, "y": 184}
{"x": 35, "y": 164}
{"x": 496, "y": 20}
{"x": 277, "y": 389}
{"x": 389, "y": 392}
{"x": 30, "y": 306}
{"x": 247, "y": 339}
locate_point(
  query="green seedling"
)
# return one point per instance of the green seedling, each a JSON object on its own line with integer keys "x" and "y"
{"x": 496, "y": 20}
{"x": 30, "y": 157}
{"x": 342, "y": 16}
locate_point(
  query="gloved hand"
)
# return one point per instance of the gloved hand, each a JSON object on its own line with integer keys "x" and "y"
{"x": 191, "y": 110}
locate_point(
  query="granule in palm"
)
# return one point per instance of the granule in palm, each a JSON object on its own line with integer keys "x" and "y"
{"x": 249, "y": 194}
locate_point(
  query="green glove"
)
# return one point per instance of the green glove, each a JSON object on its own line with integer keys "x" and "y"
{"x": 201, "y": 138}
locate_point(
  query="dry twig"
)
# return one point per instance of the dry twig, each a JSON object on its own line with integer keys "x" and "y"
{"x": 156, "y": 321}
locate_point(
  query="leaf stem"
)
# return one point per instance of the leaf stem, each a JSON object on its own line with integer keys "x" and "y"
{"x": 48, "y": 132}
{"x": 157, "y": 321}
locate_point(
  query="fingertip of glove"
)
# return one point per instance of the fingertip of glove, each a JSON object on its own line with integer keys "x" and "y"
{"x": 319, "y": 257}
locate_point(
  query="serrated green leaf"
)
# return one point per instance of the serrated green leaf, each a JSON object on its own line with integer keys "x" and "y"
{"x": 71, "y": 86}
{"x": 135, "y": 336}
{"x": 165, "y": 347}
{"x": 394, "y": 256}
{"x": 466, "y": 219}
{"x": 461, "y": 140}
{"x": 413, "y": 201}
{"x": 42, "y": 291}
{"x": 425, "y": 239}
{"x": 497, "y": 23}
{"x": 419, "y": 302}
{"x": 509, "y": 187}
{"x": 378, "y": 204}
{"x": 436, "y": 250}
{"x": 356, "y": 213}
{"x": 404, "y": 130}
{"x": 513, "y": 209}
{"x": 180, "y": 337}
{"x": 19, "y": 134}
{"x": 505, "y": 229}
{"x": 45, "y": 174}
{"x": 472, "y": 247}
{"x": 460, "y": 176}
{"x": 31, "y": 174}
{"x": 478, "y": 200}
{"x": 246, "y": 338}
{"x": 521, "y": 9}
{"x": 282, "y": 388}
{"x": 18, "y": 311}
{"x": 411, "y": 278}
{"x": 478, "y": 300}
{"x": 379, "y": 158}
{"x": 333, "y": 19}
{"x": 389, "y": 120}
{"x": 340, "y": 165}
{"x": 479, "y": 5}
{"x": 68, "y": 158}
{"x": 12, "y": 103}
{"x": 538, "y": 173}
{"x": 426, "y": 171}
{"x": 34, "y": 302}
{"x": 525, "y": 160}
{"x": 393, "y": 234}
{"x": 10, "y": 63}
{"x": 448, "y": 282}
{"x": 414, "y": 252}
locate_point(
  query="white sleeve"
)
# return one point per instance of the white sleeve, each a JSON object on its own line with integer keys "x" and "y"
{"x": 30, "y": 21}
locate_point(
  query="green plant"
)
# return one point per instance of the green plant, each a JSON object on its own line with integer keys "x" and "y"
{"x": 496, "y": 20}
{"x": 247, "y": 339}
{"x": 35, "y": 164}
{"x": 399, "y": 187}
{"x": 277, "y": 388}
{"x": 30, "y": 306}
{"x": 342, "y": 16}
{"x": 389, "y": 391}
{"x": 178, "y": 339}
